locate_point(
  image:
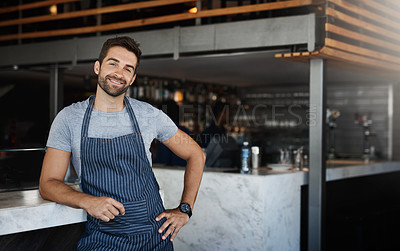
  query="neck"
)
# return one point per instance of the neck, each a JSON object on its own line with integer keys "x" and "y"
{"x": 107, "y": 103}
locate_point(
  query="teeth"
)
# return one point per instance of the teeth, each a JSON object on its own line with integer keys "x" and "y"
{"x": 115, "y": 82}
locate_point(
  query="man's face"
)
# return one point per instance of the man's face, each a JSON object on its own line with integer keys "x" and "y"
{"x": 117, "y": 72}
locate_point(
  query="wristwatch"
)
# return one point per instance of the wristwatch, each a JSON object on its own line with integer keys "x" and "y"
{"x": 185, "y": 208}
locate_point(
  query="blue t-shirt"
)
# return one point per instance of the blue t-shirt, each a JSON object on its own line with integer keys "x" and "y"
{"x": 65, "y": 131}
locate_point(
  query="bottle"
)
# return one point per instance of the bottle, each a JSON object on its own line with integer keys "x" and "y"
{"x": 299, "y": 159}
{"x": 255, "y": 151}
{"x": 245, "y": 158}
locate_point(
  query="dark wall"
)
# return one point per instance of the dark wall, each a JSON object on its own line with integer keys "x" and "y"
{"x": 370, "y": 99}
{"x": 361, "y": 213}
{"x": 24, "y": 120}
{"x": 62, "y": 238}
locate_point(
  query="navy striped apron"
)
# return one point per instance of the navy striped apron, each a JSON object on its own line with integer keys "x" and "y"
{"x": 119, "y": 168}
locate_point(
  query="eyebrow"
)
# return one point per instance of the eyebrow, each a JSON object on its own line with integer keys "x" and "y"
{"x": 116, "y": 60}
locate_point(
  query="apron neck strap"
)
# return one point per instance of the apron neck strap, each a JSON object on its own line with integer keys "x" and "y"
{"x": 88, "y": 113}
{"x": 86, "y": 118}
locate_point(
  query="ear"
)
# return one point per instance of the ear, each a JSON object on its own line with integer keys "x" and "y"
{"x": 97, "y": 67}
{"x": 133, "y": 79}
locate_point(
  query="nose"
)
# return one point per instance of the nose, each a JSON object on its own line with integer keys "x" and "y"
{"x": 118, "y": 72}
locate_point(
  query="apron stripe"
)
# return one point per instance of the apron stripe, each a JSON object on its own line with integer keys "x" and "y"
{"x": 119, "y": 168}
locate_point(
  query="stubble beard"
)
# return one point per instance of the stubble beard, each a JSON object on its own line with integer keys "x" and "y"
{"x": 109, "y": 88}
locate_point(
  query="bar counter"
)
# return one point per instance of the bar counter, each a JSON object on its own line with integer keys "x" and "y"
{"x": 258, "y": 211}
{"x": 22, "y": 211}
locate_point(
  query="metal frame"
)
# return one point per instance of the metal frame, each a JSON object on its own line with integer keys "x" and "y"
{"x": 317, "y": 168}
{"x": 56, "y": 90}
{"x": 390, "y": 122}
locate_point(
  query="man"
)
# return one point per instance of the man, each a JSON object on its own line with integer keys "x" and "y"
{"x": 108, "y": 138}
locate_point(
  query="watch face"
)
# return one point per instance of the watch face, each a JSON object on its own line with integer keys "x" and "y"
{"x": 185, "y": 208}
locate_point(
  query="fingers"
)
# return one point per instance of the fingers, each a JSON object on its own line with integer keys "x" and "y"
{"x": 160, "y": 216}
{"x": 112, "y": 210}
{"x": 110, "y": 215}
{"x": 105, "y": 208}
{"x": 106, "y": 216}
{"x": 163, "y": 227}
{"x": 168, "y": 232}
{"x": 119, "y": 206}
{"x": 175, "y": 221}
{"x": 175, "y": 232}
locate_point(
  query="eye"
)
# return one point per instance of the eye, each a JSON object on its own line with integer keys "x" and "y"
{"x": 128, "y": 70}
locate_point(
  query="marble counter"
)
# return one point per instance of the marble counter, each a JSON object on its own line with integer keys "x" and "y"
{"x": 249, "y": 212}
{"x": 22, "y": 211}
{"x": 233, "y": 211}
{"x": 237, "y": 211}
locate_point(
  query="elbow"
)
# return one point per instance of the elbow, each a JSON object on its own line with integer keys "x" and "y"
{"x": 42, "y": 189}
{"x": 197, "y": 157}
{"x": 203, "y": 158}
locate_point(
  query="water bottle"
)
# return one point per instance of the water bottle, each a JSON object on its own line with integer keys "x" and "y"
{"x": 245, "y": 158}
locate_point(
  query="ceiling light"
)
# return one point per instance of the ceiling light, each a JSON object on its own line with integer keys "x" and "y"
{"x": 178, "y": 96}
{"x": 193, "y": 10}
{"x": 53, "y": 9}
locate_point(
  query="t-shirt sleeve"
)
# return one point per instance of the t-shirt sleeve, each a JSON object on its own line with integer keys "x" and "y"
{"x": 166, "y": 128}
{"x": 60, "y": 134}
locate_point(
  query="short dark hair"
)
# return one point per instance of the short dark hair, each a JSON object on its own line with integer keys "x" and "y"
{"x": 124, "y": 42}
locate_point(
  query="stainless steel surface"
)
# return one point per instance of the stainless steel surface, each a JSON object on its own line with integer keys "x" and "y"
{"x": 56, "y": 90}
{"x": 22, "y": 149}
{"x": 20, "y": 168}
{"x": 390, "y": 122}
{"x": 255, "y": 160}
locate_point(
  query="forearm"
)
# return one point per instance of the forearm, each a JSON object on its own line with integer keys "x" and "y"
{"x": 176, "y": 219}
{"x": 52, "y": 187}
{"x": 62, "y": 193}
{"x": 192, "y": 179}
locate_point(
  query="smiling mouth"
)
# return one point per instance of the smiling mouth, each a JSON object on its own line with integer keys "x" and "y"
{"x": 115, "y": 82}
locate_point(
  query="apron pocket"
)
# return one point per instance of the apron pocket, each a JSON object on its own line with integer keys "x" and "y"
{"x": 135, "y": 220}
